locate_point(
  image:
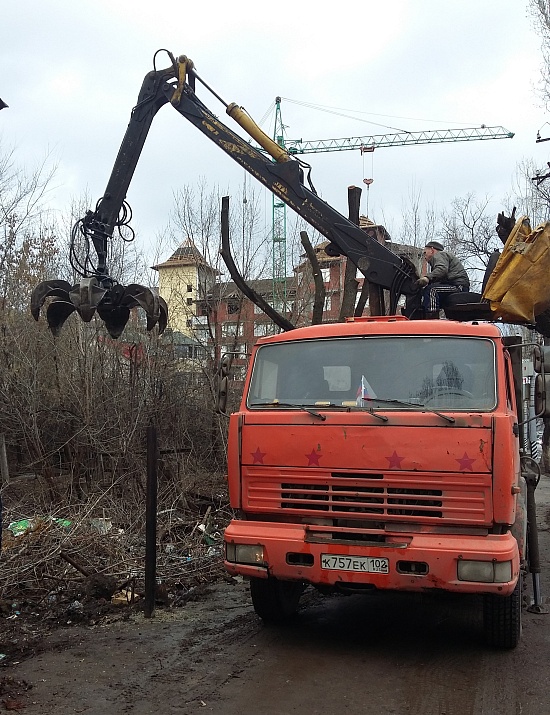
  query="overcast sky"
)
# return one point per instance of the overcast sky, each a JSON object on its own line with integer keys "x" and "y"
{"x": 71, "y": 71}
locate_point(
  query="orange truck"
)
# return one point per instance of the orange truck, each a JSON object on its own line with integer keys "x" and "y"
{"x": 380, "y": 453}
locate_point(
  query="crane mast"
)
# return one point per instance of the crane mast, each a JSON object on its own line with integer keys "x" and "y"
{"x": 279, "y": 228}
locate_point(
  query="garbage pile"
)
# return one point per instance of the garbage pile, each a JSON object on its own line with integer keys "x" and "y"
{"x": 75, "y": 566}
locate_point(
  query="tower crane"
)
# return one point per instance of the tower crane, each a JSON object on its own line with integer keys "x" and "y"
{"x": 436, "y": 136}
{"x": 363, "y": 143}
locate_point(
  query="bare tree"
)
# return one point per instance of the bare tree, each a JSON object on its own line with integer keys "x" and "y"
{"x": 531, "y": 192}
{"x": 540, "y": 14}
{"x": 27, "y": 230}
{"x": 468, "y": 230}
{"x": 419, "y": 222}
{"x": 74, "y": 408}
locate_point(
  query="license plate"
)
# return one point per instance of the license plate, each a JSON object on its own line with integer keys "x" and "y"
{"x": 366, "y": 564}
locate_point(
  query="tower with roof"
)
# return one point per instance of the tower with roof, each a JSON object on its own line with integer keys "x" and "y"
{"x": 183, "y": 281}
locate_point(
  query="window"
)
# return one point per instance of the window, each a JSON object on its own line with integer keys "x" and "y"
{"x": 238, "y": 373}
{"x": 202, "y": 334}
{"x": 325, "y": 272}
{"x": 238, "y": 350}
{"x": 190, "y": 301}
{"x": 192, "y": 352}
{"x": 232, "y": 307}
{"x": 261, "y": 329}
{"x": 231, "y": 329}
{"x": 189, "y": 288}
{"x": 279, "y": 305}
{"x": 385, "y": 373}
{"x": 328, "y": 303}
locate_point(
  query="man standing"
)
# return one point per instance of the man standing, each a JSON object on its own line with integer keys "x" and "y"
{"x": 447, "y": 275}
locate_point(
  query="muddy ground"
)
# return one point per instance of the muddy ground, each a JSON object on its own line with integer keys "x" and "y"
{"x": 383, "y": 654}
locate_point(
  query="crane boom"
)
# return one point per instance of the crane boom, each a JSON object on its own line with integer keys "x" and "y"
{"x": 437, "y": 136}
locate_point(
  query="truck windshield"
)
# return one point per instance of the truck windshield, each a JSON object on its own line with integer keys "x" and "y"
{"x": 389, "y": 373}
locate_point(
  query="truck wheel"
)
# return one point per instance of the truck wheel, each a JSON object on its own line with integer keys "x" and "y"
{"x": 273, "y": 600}
{"x": 502, "y": 618}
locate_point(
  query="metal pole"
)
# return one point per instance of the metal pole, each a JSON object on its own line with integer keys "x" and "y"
{"x": 533, "y": 545}
{"x": 4, "y": 471}
{"x": 151, "y": 523}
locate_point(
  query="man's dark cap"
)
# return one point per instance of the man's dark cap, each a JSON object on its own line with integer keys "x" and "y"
{"x": 435, "y": 244}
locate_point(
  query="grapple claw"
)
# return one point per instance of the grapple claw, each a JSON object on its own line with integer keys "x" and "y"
{"x": 163, "y": 315}
{"x": 86, "y": 296}
{"x": 115, "y": 308}
{"x": 112, "y": 303}
{"x": 115, "y": 318}
{"x": 57, "y": 313}
{"x": 158, "y": 314}
{"x": 56, "y": 288}
{"x": 136, "y": 294}
{"x": 154, "y": 306}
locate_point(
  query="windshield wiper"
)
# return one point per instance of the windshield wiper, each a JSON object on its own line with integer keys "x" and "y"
{"x": 276, "y": 403}
{"x": 370, "y": 410}
{"x": 325, "y": 405}
{"x": 421, "y": 405}
{"x": 350, "y": 408}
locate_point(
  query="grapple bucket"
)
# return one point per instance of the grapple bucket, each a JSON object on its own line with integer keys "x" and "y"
{"x": 113, "y": 304}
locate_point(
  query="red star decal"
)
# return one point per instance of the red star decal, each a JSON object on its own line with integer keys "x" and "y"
{"x": 313, "y": 458}
{"x": 465, "y": 462}
{"x": 258, "y": 456}
{"x": 395, "y": 461}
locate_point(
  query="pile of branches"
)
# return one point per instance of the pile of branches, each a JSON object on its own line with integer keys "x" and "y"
{"x": 88, "y": 559}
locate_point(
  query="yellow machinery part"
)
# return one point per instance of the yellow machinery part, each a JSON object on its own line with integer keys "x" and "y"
{"x": 518, "y": 287}
{"x": 249, "y": 125}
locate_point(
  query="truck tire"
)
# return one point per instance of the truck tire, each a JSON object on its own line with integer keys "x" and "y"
{"x": 502, "y": 618}
{"x": 275, "y": 601}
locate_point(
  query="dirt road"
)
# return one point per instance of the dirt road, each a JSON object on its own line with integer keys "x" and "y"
{"x": 379, "y": 654}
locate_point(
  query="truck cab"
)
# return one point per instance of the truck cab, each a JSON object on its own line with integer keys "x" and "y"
{"x": 379, "y": 453}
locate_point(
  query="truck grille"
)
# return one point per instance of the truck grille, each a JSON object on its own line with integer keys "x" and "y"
{"x": 363, "y": 500}
{"x": 458, "y": 498}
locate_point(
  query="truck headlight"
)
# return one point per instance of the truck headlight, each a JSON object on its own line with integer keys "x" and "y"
{"x": 503, "y": 571}
{"x": 485, "y": 571}
{"x": 244, "y": 553}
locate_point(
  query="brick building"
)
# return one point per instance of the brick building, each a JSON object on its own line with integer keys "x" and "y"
{"x": 214, "y": 316}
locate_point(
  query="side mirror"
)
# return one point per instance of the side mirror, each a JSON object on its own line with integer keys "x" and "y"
{"x": 221, "y": 403}
{"x": 223, "y": 382}
{"x": 542, "y": 389}
{"x": 225, "y": 364}
{"x": 541, "y": 358}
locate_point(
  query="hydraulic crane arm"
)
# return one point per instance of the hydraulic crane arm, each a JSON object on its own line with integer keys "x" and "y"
{"x": 282, "y": 174}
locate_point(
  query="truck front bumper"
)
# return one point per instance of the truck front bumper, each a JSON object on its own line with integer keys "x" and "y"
{"x": 412, "y": 562}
